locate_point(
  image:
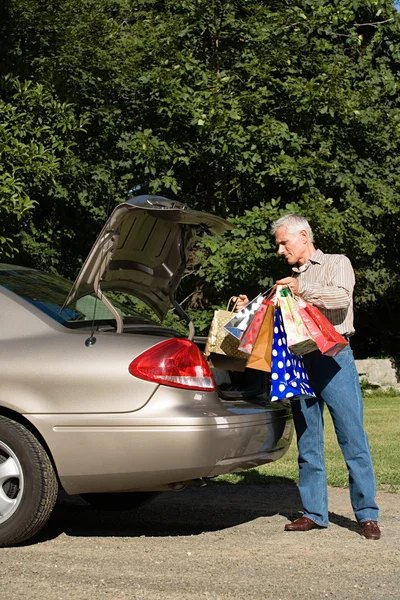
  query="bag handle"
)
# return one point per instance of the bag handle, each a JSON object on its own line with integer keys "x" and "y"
{"x": 282, "y": 291}
{"x": 270, "y": 291}
{"x": 235, "y": 303}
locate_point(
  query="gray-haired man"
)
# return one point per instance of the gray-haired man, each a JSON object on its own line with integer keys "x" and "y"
{"x": 327, "y": 281}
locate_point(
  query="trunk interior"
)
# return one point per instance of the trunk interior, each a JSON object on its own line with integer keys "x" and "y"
{"x": 233, "y": 384}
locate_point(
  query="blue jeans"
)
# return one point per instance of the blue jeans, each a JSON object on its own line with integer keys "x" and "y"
{"x": 335, "y": 382}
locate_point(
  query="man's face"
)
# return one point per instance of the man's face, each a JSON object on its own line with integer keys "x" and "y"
{"x": 291, "y": 247}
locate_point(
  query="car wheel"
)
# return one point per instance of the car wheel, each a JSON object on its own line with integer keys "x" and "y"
{"x": 127, "y": 501}
{"x": 28, "y": 484}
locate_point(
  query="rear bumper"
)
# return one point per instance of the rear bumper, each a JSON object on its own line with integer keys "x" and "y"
{"x": 169, "y": 440}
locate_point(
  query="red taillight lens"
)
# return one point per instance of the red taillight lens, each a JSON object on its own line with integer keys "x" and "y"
{"x": 176, "y": 362}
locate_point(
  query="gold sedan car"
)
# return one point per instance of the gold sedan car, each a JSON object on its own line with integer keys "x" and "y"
{"x": 112, "y": 405}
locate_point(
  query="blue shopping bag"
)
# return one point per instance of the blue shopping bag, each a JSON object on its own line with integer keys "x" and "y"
{"x": 288, "y": 375}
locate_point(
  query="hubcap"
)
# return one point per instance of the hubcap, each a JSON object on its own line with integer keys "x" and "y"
{"x": 11, "y": 482}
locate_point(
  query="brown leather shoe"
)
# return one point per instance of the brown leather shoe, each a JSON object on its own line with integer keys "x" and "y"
{"x": 370, "y": 530}
{"x": 303, "y": 524}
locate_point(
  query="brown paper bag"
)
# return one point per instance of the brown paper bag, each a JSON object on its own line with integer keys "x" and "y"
{"x": 261, "y": 356}
{"x": 219, "y": 341}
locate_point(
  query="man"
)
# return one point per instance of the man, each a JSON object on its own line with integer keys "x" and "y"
{"x": 327, "y": 281}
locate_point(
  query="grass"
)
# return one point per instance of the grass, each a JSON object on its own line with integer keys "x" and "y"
{"x": 382, "y": 423}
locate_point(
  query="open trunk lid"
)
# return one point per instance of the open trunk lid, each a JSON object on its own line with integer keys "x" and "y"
{"x": 142, "y": 250}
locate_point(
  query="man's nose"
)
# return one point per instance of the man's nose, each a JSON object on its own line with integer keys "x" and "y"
{"x": 281, "y": 249}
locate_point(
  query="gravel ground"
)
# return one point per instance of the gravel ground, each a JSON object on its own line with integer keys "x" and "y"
{"x": 219, "y": 542}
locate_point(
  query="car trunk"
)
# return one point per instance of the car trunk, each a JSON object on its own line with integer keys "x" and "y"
{"x": 233, "y": 384}
{"x": 249, "y": 385}
{"x": 142, "y": 251}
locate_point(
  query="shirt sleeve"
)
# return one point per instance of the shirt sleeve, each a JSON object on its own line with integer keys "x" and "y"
{"x": 337, "y": 292}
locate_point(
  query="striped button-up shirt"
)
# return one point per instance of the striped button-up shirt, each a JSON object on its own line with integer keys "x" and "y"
{"x": 327, "y": 281}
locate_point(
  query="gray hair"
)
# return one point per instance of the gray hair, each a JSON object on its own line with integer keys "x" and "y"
{"x": 294, "y": 224}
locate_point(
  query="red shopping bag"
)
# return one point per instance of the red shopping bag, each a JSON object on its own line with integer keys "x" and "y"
{"x": 250, "y": 335}
{"x": 328, "y": 340}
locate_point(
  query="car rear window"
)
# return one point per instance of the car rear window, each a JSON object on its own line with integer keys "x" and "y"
{"x": 48, "y": 292}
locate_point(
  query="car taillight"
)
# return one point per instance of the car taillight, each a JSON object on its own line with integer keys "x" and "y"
{"x": 176, "y": 362}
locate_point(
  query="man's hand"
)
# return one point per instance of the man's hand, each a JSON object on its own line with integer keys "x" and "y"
{"x": 242, "y": 301}
{"x": 291, "y": 282}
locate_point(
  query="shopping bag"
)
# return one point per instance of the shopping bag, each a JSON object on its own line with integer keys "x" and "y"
{"x": 299, "y": 339}
{"x": 249, "y": 337}
{"x": 261, "y": 354}
{"x": 288, "y": 376}
{"x": 329, "y": 341}
{"x": 238, "y": 324}
{"x": 219, "y": 341}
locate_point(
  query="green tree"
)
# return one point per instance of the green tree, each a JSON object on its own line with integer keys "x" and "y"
{"x": 242, "y": 107}
{"x": 36, "y": 137}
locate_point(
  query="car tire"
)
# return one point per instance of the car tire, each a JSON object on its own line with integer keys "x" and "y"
{"x": 119, "y": 501}
{"x": 28, "y": 484}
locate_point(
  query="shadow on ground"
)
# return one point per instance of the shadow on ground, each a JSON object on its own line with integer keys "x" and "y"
{"x": 190, "y": 512}
{"x": 219, "y": 505}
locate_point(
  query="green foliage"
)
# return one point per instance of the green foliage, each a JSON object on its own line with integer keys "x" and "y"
{"x": 244, "y": 108}
{"x": 35, "y": 143}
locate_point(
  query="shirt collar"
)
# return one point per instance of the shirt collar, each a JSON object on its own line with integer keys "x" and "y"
{"x": 316, "y": 258}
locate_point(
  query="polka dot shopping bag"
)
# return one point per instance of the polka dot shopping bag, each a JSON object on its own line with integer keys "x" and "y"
{"x": 288, "y": 375}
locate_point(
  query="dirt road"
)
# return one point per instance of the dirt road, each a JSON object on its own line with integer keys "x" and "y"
{"x": 219, "y": 542}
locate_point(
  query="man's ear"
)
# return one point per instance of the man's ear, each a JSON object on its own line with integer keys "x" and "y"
{"x": 304, "y": 236}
